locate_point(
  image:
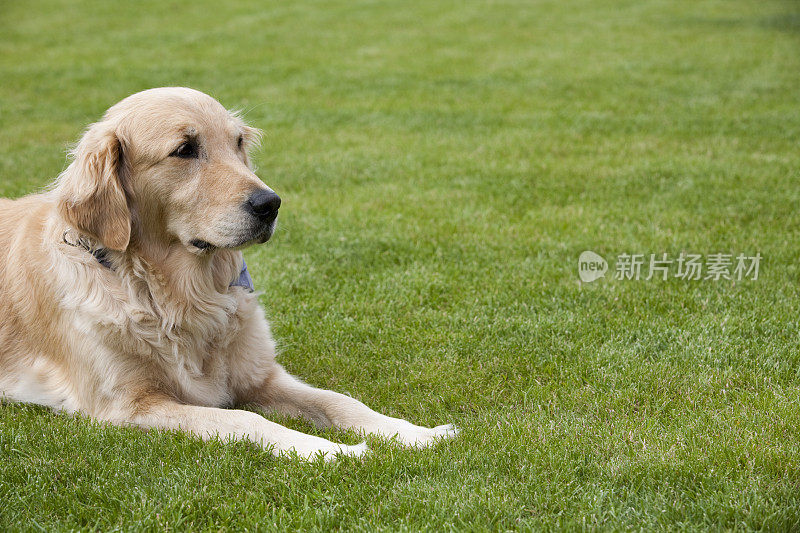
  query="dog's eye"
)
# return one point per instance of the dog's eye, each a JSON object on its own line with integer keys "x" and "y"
{"x": 187, "y": 150}
{"x": 240, "y": 142}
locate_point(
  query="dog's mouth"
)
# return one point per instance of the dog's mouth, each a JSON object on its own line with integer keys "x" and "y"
{"x": 204, "y": 247}
{"x": 201, "y": 244}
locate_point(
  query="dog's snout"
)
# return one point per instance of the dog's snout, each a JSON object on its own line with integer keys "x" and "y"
{"x": 264, "y": 204}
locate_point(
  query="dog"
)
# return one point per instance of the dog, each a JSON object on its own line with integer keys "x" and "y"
{"x": 124, "y": 294}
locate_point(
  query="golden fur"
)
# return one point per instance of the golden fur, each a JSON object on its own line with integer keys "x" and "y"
{"x": 161, "y": 338}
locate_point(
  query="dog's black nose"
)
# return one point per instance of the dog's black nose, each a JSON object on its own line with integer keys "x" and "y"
{"x": 264, "y": 204}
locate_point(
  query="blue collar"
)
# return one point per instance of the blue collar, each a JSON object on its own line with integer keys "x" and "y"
{"x": 244, "y": 280}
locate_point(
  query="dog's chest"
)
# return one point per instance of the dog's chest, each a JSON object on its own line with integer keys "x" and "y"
{"x": 193, "y": 356}
{"x": 202, "y": 373}
{"x": 208, "y": 386}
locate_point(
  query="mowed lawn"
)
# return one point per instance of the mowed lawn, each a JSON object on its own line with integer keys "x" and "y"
{"x": 442, "y": 165}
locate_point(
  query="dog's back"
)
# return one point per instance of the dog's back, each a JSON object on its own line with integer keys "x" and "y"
{"x": 12, "y": 215}
{"x": 21, "y": 225}
{"x": 21, "y": 233}
{"x": 15, "y": 215}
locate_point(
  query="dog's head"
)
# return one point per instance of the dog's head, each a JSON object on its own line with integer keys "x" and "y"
{"x": 168, "y": 165}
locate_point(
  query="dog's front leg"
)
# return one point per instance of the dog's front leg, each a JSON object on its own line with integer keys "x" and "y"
{"x": 208, "y": 422}
{"x": 285, "y": 394}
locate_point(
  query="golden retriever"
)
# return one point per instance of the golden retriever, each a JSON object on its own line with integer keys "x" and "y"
{"x": 118, "y": 286}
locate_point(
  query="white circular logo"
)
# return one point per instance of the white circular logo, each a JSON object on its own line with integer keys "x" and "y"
{"x": 591, "y": 266}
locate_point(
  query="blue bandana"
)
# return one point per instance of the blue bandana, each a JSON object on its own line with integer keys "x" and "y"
{"x": 244, "y": 280}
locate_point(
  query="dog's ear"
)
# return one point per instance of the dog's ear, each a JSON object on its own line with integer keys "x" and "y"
{"x": 91, "y": 191}
{"x": 252, "y": 136}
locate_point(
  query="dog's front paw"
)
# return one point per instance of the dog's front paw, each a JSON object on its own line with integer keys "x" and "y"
{"x": 336, "y": 450}
{"x": 422, "y": 437}
{"x": 357, "y": 450}
{"x": 325, "y": 449}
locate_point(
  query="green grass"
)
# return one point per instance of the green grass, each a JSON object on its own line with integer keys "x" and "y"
{"x": 442, "y": 166}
